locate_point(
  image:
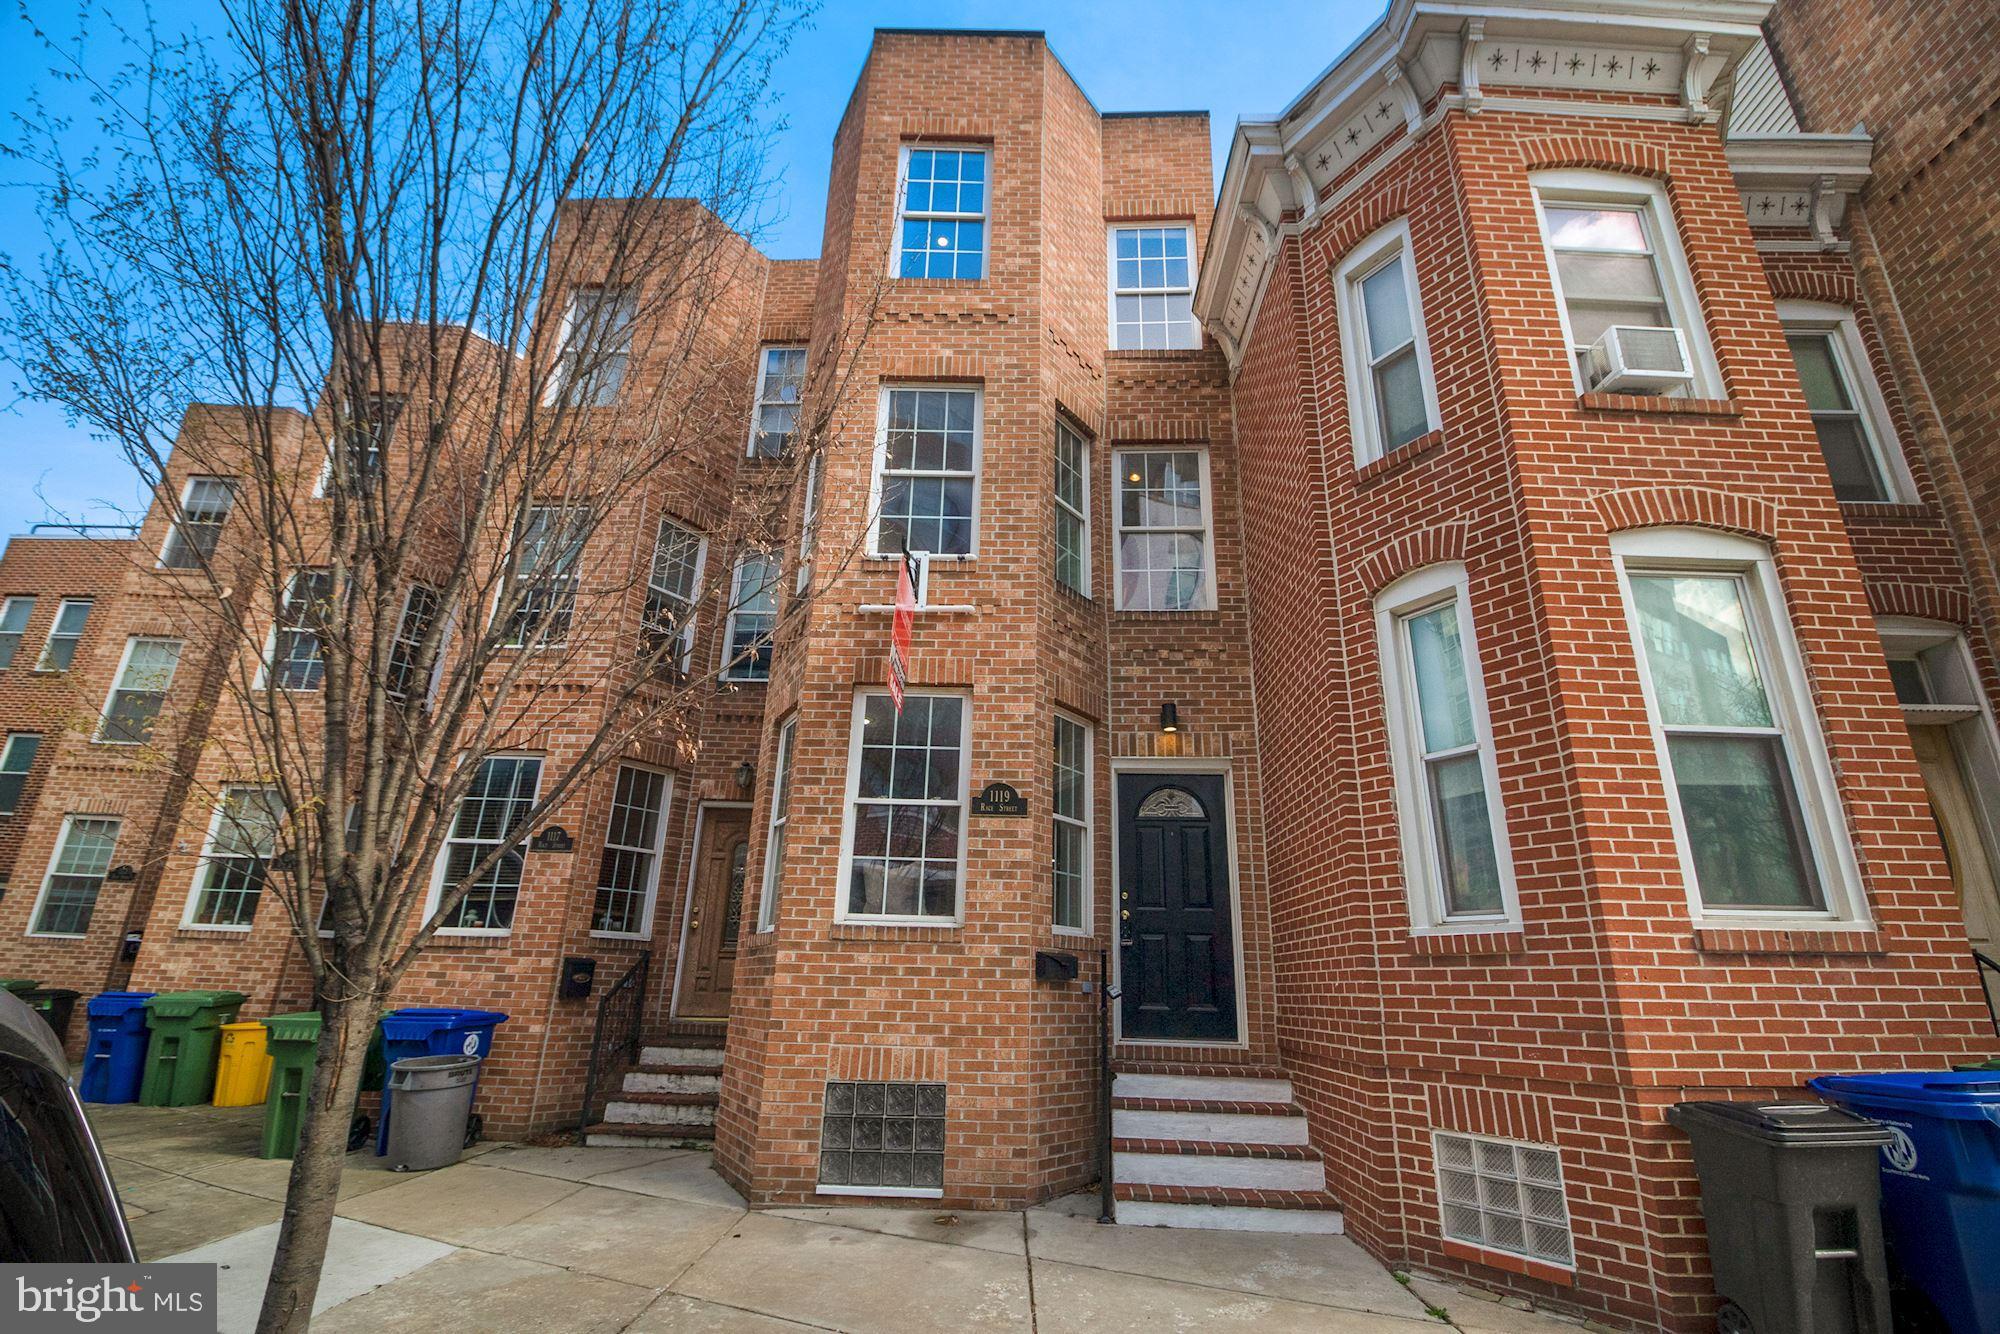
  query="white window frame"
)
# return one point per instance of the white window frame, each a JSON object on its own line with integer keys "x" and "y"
{"x": 281, "y": 626}
{"x": 730, "y": 669}
{"x": 1649, "y": 200}
{"x": 1082, "y": 588}
{"x": 560, "y": 372}
{"x": 809, "y": 521}
{"x": 436, "y": 894}
{"x": 48, "y": 876}
{"x": 110, "y": 697}
{"x": 7, "y": 744}
{"x": 55, "y": 633}
{"x": 850, "y": 798}
{"x": 539, "y": 639}
{"x": 1179, "y": 338}
{"x": 180, "y": 514}
{"x": 984, "y": 216}
{"x": 1412, "y": 595}
{"x": 758, "y": 404}
{"x": 384, "y": 435}
{"x": 20, "y": 636}
{"x": 684, "y": 655}
{"x": 659, "y": 853}
{"x": 1969, "y": 726}
{"x": 778, "y": 824}
{"x": 1118, "y": 529}
{"x": 215, "y": 824}
{"x": 881, "y": 464}
{"x": 1850, "y": 356}
{"x": 1786, "y": 685}
{"x": 1086, "y": 891}
{"x": 398, "y": 639}
{"x": 1390, "y": 244}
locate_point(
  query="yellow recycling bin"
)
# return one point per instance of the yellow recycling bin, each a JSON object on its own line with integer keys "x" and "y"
{"x": 243, "y": 1070}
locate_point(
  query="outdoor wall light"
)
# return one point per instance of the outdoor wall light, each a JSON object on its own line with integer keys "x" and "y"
{"x": 746, "y": 774}
{"x": 1170, "y": 718}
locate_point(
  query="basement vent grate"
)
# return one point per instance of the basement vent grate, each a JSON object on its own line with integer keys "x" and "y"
{"x": 885, "y": 1137}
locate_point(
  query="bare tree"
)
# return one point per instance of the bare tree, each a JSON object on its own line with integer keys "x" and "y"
{"x": 433, "y": 534}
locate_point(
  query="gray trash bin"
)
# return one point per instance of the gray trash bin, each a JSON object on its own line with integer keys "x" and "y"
{"x": 1792, "y": 1195}
{"x": 433, "y": 1099}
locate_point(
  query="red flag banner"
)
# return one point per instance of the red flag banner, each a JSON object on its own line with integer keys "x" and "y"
{"x": 900, "y": 628}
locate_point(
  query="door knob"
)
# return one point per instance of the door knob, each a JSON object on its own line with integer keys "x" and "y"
{"x": 694, "y": 924}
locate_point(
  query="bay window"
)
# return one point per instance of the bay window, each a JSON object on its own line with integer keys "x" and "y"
{"x": 907, "y": 776}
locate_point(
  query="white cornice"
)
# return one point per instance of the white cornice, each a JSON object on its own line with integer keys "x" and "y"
{"x": 1491, "y": 55}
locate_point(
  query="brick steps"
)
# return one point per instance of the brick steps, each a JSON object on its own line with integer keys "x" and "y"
{"x": 670, "y": 1096}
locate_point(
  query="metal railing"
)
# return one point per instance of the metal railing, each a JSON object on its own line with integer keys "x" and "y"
{"x": 1987, "y": 963}
{"x": 620, "y": 1014}
{"x": 1107, "y": 1203}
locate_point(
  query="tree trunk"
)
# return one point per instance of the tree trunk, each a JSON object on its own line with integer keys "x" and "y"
{"x": 345, "y": 1030}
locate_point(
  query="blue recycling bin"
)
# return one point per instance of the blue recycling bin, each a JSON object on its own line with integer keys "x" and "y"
{"x": 1940, "y": 1186}
{"x": 423, "y": 1030}
{"x": 114, "y": 1060}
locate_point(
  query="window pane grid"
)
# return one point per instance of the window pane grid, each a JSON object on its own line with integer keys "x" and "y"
{"x": 1069, "y": 806}
{"x": 625, "y": 873}
{"x": 16, "y": 759}
{"x": 781, "y": 381}
{"x": 943, "y": 228}
{"x": 928, "y": 472}
{"x": 774, "y": 846}
{"x": 14, "y": 614}
{"x": 545, "y": 577}
{"x": 597, "y": 346}
{"x": 295, "y": 649}
{"x": 1162, "y": 531}
{"x": 491, "y": 811}
{"x": 141, "y": 690}
{"x": 670, "y": 591}
{"x": 366, "y": 433}
{"x": 205, "y": 507}
{"x": 420, "y": 608}
{"x": 753, "y": 615}
{"x": 1072, "y": 510}
{"x": 1152, "y": 288}
{"x": 241, "y": 843}
{"x": 908, "y": 808}
{"x": 77, "y": 875}
{"x": 60, "y": 650}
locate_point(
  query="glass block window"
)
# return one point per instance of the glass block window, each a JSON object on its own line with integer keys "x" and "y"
{"x": 1162, "y": 548}
{"x": 887, "y": 1137}
{"x": 14, "y": 614}
{"x": 296, "y": 663}
{"x": 242, "y": 839}
{"x": 629, "y": 868}
{"x": 17, "y": 757}
{"x": 753, "y": 615}
{"x": 1152, "y": 288}
{"x": 76, "y": 874}
{"x": 140, "y": 690}
{"x": 545, "y": 576}
{"x": 1732, "y": 762}
{"x": 205, "y": 506}
{"x": 774, "y": 839}
{"x": 492, "y": 811}
{"x": 1503, "y": 1195}
{"x": 941, "y": 214}
{"x": 1072, "y": 510}
{"x": 420, "y": 610}
{"x": 596, "y": 346}
{"x": 678, "y": 554}
{"x": 781, "y": 380}
{"x": 60, "y": 650}
{"x": 908, "y": 807}
{"x": 927, "y": 470}
{"x": 1069, "y": 812}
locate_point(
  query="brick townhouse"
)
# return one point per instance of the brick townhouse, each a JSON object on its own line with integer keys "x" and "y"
{"x": 1469, "y": 624}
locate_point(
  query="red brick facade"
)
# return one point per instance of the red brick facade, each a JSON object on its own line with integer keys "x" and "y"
{"x": 1572, "y": 1022}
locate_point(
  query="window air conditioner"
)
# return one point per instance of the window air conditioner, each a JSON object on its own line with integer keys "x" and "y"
{"x": 1633, "y": 358}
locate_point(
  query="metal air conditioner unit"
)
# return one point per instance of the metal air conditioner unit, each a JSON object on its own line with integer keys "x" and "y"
{"x": 1637, "y": 359}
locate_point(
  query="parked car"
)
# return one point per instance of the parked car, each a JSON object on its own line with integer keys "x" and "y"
{"x": 57, "y": 1203}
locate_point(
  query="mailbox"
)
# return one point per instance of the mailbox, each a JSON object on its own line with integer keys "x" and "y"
{"x": 578, "y": 976}
{"x": 1055, "y": 966}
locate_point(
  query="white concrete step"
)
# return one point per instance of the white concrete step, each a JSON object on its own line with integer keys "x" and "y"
{"x": 1199, "y": 1169}
{"x": 644, "y": 1080}
{"x": 660, "y": 1113}
{"x": 1228, "y": 1127}
{"x": 1202, "y": 1088}
{"x": 671, "y": 1055}
{"x": 1230, "y": 1217}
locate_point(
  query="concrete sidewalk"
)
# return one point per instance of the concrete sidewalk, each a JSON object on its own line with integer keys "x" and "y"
{"x": 645, "y": 1240}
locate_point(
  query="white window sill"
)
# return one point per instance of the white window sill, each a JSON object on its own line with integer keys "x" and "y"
{"x": 1084, "y": 933}
{"x": 934, "y": 923}
{"x": 1779, "y": 921}
{"x": 887, "y": 1192}
{"x": 949, "y": 608}
{"x": 1468, "y": 926}
{"x": 216, "y": 928}
{"x": 474, "y": 933}
{"x": 56, "y": 935}
{"x": 620, "y": 935}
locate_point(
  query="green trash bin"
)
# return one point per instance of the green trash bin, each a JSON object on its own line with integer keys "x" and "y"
{"x": 185, "y": 1039}
{"x": 17, "y": 985}
{"x": 294, "y": 1047}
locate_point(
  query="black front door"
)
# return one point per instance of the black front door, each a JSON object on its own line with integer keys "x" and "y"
{"x": 1177, "y": 940}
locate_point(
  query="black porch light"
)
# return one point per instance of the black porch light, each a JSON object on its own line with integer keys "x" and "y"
{"x": 746, "y": 774}
{"x": 1170, "y": 718}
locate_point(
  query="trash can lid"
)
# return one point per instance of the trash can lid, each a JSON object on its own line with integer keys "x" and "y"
{"x": 242, "y": 1024}
{"x": 444, "y": 1016}
{"x": 299, "y": 1026}
{"x": 106, "y": 1004}
{"x": 1797, "y": 1121}
{"x": 182, "y": 1004}
{"x": 433, "y": 1072}
{"x": 1964, "y": 1095}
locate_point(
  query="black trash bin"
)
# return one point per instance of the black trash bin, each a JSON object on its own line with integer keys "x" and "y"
{"x": 1793, "y": 1200}
{"x": 55, "y": 1004}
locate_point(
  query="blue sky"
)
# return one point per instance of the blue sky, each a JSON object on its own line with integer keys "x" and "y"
{"x": 1130, "y": 55}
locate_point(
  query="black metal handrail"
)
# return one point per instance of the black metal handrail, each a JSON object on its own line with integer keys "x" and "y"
{"x": 1991, "y": 965}
{"x": 1107, "y": 1203}
{"x": 621, "y": 1012}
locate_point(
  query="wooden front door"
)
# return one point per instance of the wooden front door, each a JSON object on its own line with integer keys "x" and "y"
{"x": 1177, "y": 934}
{"x": 1958, "y": 822}
{"x": 717, "y": 912}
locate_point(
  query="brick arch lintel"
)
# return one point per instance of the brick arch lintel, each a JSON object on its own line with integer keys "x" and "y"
{"x": 1594, "y": 152}
{"x": 1796, "y": 283}
{"x": 1355, "y": 223}
{"x": 1925, "y": 602}
{"x": 1687, "y": 506}
{"x": 1412, "y": 552}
